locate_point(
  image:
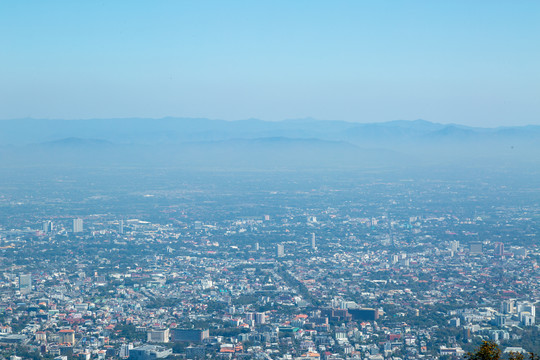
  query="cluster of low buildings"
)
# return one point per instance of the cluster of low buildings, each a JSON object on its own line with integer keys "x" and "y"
{"x": 340, "y": 280}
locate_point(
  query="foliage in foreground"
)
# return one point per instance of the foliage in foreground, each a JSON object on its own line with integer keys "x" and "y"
{"x": 491, "y": 351}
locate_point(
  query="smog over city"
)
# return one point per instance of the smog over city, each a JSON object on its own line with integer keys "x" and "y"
{"x": 269, "y": 180}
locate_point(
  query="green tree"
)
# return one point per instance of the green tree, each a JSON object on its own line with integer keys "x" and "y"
{"x": 487, "y": 351}
{"x": 491, "y": 351}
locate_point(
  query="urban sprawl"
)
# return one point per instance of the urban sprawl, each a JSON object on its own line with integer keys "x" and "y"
{"x": 380, "y": 269}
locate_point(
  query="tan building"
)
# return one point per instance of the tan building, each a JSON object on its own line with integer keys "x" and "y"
{"x": 41, "y": 336}
{"x": 67, "y": 336}
{"x": 158, "y": 335}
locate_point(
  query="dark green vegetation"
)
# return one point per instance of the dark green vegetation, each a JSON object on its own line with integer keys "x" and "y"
{"x": 491, "y": 351}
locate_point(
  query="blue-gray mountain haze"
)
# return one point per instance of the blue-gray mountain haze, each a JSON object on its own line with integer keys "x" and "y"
{"x": 205, "y": 143}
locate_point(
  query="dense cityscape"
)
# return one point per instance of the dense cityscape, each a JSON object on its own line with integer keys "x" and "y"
{"x": 273, "y": 265}
{"x": 269, "y": 180}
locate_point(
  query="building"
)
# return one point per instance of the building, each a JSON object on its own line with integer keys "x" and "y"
{"x": 476, "y": 248}
{"x": 260, "y": 318}
{"x": 527, "y": 313}
{"x": 364, "y": 314}
{"x": 207, "y": 284}
{"x": 499, "y": 249}
{"x": 337, "y": 314}
{"x": 455, "y": 351}
{"x": 280, "y": 250}
{"x": 9, "y": 339}
{"x": 47, "y": 226}
{"x": 25, "y": 283}
{"x": 527, "y": 307}
{"x": 124, "y": 350}
{"x": 455, "y": 322}
{"x": 158, "y": 335}
{"x": 519, "y": 251}
{"x": 41, "y": 336}
{"x": 67, "y": 336}
{"x": 313, "y": 244}
{"x": 250, "y": 316}
{"x": 526, "y": 319}
{"x": 189, "y": 335}
{"x": 508, "y": 307}
{"x": 500, "y": 320}
{"x": 77, "y": 225}
{"x": 498, "y": 335}
{"x": 149, "y": 352}
{"x": 121, "y": 227}
{"x": 514, "y": 349}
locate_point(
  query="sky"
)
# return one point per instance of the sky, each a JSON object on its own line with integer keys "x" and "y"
{"x": 467, "y": 62}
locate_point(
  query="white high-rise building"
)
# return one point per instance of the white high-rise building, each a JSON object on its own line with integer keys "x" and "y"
{"x": 508, "y": 306}
{"x": 527, "y": 307}
{"x": 25, "y": 283}
{"x": 260, "y": 318}
{"x": 47, "y": 226}
{"x": 527, "y": 313}
{"x": 526, "y": 319}
{"x": 280, "y": 250}
{"x": 124, "y": 350}
{"x": 313, "y": 244}
{"x": 77, "y": 225}
{"x": 121, "y": 227}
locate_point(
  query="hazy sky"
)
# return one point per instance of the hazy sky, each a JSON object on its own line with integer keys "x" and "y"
{"x": 469, "y": 62}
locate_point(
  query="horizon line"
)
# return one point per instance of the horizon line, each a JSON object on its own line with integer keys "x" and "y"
{"x": 269, "y": 121}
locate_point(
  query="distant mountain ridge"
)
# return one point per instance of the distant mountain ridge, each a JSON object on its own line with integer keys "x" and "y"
{"x": 293, "y": 144}
{"x": 179, "y": 130}
{"x": 75, "y": 142}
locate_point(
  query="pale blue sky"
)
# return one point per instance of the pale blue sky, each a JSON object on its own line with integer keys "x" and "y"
{"x": 468, "y": 62}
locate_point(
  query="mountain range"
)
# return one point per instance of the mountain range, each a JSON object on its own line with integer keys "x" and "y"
{"x": 190, "y": 142}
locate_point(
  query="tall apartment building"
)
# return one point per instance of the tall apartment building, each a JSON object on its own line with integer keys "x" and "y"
{"x": 280, "y": 250}
{"x": 77, "y": 225}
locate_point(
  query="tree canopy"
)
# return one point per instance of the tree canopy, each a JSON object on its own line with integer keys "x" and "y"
{"x": 491, "y": 351}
